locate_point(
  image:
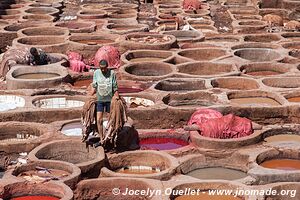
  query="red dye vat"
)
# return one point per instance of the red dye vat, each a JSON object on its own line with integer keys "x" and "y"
{"x": 129, "y": 90}
{"x": 162, "y": 143}
{"x": 35, "y": 198}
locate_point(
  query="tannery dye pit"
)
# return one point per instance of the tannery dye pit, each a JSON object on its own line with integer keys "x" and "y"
{"x": 217, "y": 173}
{"x": 254, "y": 101}
{"x": 162, "y": 143}
{"x": 282, "y": 164}
{"x": 34, "y": 198}
{"x": 100, "y": 95}
{"x": 36, "y": 76}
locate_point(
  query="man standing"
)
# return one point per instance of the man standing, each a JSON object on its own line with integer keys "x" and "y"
{"x": 105, "y": 85}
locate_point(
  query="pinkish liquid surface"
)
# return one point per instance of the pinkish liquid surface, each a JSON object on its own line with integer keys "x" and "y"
{"x": 162, "y": 143}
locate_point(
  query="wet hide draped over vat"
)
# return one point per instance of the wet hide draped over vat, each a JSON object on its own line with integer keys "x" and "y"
{"x": 222, "y": 127}
{"x": 120, "y": 134}
{"x": 191, "y": 4}
{"x": 110, "y": 54}
{"x": 76, "y": 62}
{"x": 116, "y": 121}
{"x": 89, "y": 118}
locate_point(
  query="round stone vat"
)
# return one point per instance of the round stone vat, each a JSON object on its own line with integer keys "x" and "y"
{"x": 125, "y": 29}
{"x": 27, "y": 190}
{"x": 91, "y": 14}
{"x": 121, "y": 14}
{"x": 125, "y": 5}
{"x": 281, "y": 135}
{"x": 203, "y": 54}
{"x": 147, "y": 70}
{"x": 39, "y": 41}
{"x": 98, "y": 188}
{"x": 17, "y": 137}
{"x": 247, "y": 17}
{"x": 18, "y": 26}
{"x": 291, "y": 45}
{"x": 255, "y": 45}
{"x": 141, "y": 164}
{"x": 58, "y": 102}
{"x": 43, "y": 11}
{"x": 291, "y": 36}
{"x": 94, "y": 40}
{"x": 252, "y": 23}
{"x": 217, "y": 173}
{"x": 10, "y": 14}
{"x": 264, "y": 69}
{"x": 289, "y": 194}
{"x": 293, "y": 97}
{"x": 78, "y": 26}
{"x": 254, "y": 99}
{"x": 180, "y": 85}
{"x": 277, "y": 166}
{"x": 190, "y": 100}
{"x": 10, "y": 102}
{"x": 126, "y": 86}
{"x": 134, "y": 102}
{"x": 286, "y": 82}
{"x": 204, "y": 188}
{"x": 186, "y": 36}
{"x": 92, "y": 6}
{"x": 25, "y": 77}
{"x": 262, "y": 38}
{"x": 63, "y": 171}
{"x": 52, "y": 4}
{"x": 148, "y": 41}
{"x": 163, "y": 140}
{"x": 37, "y": 31}
{"x": 206, "y": 69}
{"x": 235, "y": 83}
{"x": 73, "y": 128}
{"x": 198, "y": 21}
{"x": 89, "y": 160}
{"x": 38, "y": 18}
{"x": 83, "y": 82}
{"x": 226, "y": 38}
{"x": 258, "y": 55}
{"x": 146, "y": 56}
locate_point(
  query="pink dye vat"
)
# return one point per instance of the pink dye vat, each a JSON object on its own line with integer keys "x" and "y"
{"x": 162, "y": 143}
{"x": 35, "y": 198}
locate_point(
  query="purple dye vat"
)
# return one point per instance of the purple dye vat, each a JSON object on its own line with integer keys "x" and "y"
{"x": 162, "y": 143}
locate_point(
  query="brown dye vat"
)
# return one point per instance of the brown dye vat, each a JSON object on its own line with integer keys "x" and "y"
{"x": 282, "y": 164}
{"x": 95, "y": 42}
{"x": 263, "y": 73}
{"x": 217, "y": 173}
{"x": 36, "y": 76}
{"x": 44, "y": 174}
{"x": 294, "y": 99}
{"x": 255, "y": 101}
{"x": 137, "y": 170}
{"x": 206, "y": 196}
{"x": 148, "y": 59}
{"x": 283, "y": 138}
{"x": 82, "y": 83}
